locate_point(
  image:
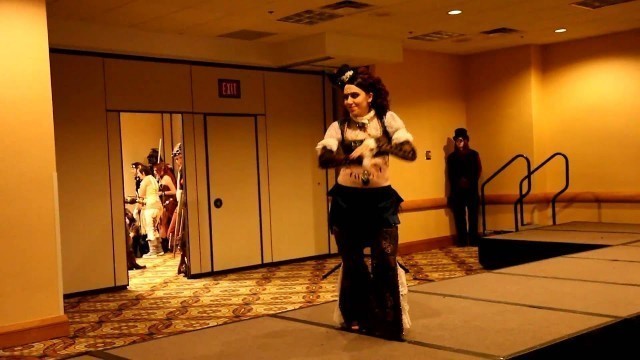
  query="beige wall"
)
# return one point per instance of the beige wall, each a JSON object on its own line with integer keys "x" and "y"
{"x": 31, "y": 275}
{"x": 499, "y": 94}
{"x": 298, "y": 206}
{"x": 82, "y": 152}
{"x": 427, "y": 92}
{"x": 499, "y": 108}
{"x": 147, "y": 86}
{"x": 590, "y": 111}
{"x": 205, "y": 91}
{"x": 140, "y": 132}
{"x": 577, "y": 97}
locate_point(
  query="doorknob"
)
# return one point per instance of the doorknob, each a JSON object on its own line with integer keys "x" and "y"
{"x": 217, "y": 203}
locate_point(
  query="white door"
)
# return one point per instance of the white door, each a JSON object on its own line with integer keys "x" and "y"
{"x": 234, "y": 191}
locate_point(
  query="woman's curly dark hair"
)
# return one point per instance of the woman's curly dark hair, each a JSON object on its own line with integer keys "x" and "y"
{"x": 367, "y": 82}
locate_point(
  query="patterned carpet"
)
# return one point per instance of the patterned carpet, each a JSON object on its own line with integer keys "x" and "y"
{"x": 160, "y": 303}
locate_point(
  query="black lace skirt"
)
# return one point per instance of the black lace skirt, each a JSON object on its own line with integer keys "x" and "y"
{"x": 369, "y": 291}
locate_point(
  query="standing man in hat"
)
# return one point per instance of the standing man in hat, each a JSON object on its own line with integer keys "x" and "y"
{"x": 463, "y": 170}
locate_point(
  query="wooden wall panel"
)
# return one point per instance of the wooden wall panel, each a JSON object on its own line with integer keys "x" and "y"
{"x": 205, "y": 91}
{"x": 295, "y": 124}
{"x": 191, "y": 186}
{"x": 201, "y": 183}
{"x": 265, "y": 192}
{"x": 117, "y": 174}
{"x": 147, "y": 86}
{"x": 82, "y": 157}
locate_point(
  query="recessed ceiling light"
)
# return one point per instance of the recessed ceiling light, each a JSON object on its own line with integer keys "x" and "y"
{"x": 561, "y": 30}
{"x": 455, "y": 12}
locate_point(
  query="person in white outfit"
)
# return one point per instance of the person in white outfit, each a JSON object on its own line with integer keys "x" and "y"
{"x": 149, "y": 202}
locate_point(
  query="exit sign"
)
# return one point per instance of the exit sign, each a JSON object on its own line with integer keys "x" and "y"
{"x": 228, "y": 88}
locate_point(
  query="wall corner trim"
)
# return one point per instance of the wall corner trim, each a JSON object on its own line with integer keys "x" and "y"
{"x": 410, "y": 247}
{"x": 34, "y": 331}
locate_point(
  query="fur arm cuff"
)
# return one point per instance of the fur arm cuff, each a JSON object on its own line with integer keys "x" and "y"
{"x": 401, "y": 135}
{"x": 332, "y": 138}
{"x": 331, "y": 144}
{"x": 370, "y": 143}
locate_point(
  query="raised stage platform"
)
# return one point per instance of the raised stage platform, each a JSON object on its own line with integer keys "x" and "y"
{"x": 585, "y": 305}
{"x": 545, "y": 242}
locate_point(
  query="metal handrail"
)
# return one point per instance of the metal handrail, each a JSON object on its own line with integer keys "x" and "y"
{"x": 522, "y": 196}
{"x": 501, "y": 169}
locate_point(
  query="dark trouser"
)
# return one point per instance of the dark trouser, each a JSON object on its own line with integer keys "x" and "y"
{"x": 360, "y": 218}
{"x": 463, "y": 207}
{"x": 370, "y": 299}
{"x": 140, "y": 245}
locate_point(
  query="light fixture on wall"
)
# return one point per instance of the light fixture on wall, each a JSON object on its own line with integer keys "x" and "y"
{"x": 455, "y": 12}
{"x": 561, "y": 30}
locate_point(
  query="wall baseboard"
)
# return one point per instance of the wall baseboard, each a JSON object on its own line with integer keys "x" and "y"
{"x": 95, "y": 291}
{"x": 425, "y": 245}
{"x": 34, "y": 331}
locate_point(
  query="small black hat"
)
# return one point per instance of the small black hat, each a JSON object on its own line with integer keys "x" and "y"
{"x": 177, "y": 150}
{"x": 461, "y": 133}
{"x": 343, "y": 76}
{"x": 154, "y": 157}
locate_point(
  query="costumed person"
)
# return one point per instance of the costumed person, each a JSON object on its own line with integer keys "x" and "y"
{"x": 463, "y": 171}
{"x": 178, "y": 230}
{"x": 139, "y": 242}
{"x": 151, "y": 207}
{"x": 167, "y": 182}
{"x": 364, "y": 206}
{"x": 135, "y": 166}
{"x": 132, "y": 229}
{"x": 154, "y": 157}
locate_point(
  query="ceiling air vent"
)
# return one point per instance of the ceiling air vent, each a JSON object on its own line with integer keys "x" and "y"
{"x": 597, "y": 4}
{"x": 436, "y": 36}
{"x": 309, "y": 17}
{"x": 348, "y": 4}
{"x": 246, "y": 35}
{"x": 500, "y": 31}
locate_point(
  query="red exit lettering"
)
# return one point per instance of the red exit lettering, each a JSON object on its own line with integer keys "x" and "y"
{"x": 228, "y": 88}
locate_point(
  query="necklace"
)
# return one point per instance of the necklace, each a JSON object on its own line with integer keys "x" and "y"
{"x": 363, "y": 121}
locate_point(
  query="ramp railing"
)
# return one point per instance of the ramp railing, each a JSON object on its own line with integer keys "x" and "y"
{"x": 493, "y": 176}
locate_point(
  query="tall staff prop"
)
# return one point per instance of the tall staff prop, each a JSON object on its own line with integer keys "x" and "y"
{"x": 177, "y": 231}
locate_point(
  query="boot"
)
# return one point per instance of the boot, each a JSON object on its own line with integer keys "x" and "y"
{"x": 143, "y": 245}
{"x": 158, "y": 246}
{"x": 155, "y": 249}
{"x": 183, "y": 266}
{"x": 131, "y": 261}
{"x": 165, "y": 245}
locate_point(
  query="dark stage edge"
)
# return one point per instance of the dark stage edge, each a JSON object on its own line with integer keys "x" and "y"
{"x": 515, "y": 248}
